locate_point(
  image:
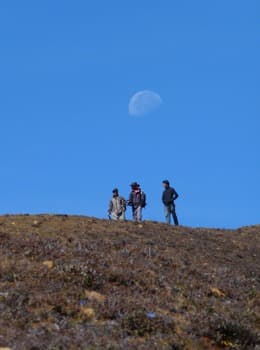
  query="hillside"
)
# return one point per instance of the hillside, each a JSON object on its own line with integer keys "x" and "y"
{"x": 83, "y": 283}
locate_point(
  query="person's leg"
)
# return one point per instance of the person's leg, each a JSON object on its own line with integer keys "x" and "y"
{"x": 122, "y": 217}
{"x": 134, "y": 214}
{"x": 167, "y": 212}
{"x": 114, "y": 217}
{"x": 174, "y": 215}
{"x": 139, "y": 214}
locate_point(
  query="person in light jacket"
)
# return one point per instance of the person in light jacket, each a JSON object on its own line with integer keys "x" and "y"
{"x": 117, "y": 206}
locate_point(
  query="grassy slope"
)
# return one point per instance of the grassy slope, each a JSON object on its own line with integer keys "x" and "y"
{"x": 83, "y": 283}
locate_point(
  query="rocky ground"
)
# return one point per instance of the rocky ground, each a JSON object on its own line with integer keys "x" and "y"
{"x": 82, "y": 283}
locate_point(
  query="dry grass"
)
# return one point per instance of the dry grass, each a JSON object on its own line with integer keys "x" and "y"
{"x": 82, "y": 283}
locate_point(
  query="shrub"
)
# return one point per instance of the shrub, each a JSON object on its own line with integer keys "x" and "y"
{"x": 139, "y": 324}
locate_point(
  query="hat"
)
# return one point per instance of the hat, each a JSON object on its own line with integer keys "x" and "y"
{"x": 115, "y": 190}
{"x": 134, "y": 184}
{"x": 166, "y": 182}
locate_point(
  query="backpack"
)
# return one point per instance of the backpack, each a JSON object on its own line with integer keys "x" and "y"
{"x": 123, "y": 203}
{"x": 143, "y": 199}
{"x": 120, "y": 204}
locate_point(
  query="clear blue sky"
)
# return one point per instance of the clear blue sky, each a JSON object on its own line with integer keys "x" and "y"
{"x": 67, "y": 72}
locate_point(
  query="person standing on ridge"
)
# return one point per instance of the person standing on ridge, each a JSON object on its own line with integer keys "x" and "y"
{"x": 117, "y": 206}
{"x": 168, "y": 197}
{"x": 137, "y": 200}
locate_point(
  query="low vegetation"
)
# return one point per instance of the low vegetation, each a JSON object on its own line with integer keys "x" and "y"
{"x": 83, "y": 283}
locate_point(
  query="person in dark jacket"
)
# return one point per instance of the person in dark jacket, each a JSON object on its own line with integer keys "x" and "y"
{"x": 168, "y": 197}
{"x": 137, "y": 200}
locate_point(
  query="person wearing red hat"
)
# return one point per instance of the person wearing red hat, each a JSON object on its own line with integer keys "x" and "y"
{"x": 137, "y": 200}
{"x": 168, "y": 197}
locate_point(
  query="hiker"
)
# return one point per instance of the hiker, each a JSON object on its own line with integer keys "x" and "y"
{"x": 168, "y": 197}
{"x": 117, "y": 206}
{"x": 137, "y": 200}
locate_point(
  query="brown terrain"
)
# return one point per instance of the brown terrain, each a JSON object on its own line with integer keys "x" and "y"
{"x": 83, "y": 283}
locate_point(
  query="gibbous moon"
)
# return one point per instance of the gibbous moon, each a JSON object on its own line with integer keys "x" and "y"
{"x": 144, "y": 102}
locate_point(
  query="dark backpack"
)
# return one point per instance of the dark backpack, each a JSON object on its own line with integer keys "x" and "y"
{"x": 143, "y": 199}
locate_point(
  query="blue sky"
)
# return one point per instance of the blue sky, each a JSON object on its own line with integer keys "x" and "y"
{"x": 67, "y": 72}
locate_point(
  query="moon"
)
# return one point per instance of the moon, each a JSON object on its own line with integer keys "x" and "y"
{"x": 143, "y": 103}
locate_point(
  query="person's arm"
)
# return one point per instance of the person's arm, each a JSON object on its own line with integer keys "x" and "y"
{"x": 175, "y": 194}
{"x": 123, "y": 203}
{"x": 110, "y": 208}
{"x": 130, "y": 200}
{"x": 163, "y": 197}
